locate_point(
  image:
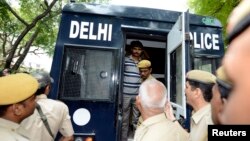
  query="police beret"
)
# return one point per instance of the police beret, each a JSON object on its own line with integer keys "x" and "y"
{"x": 15, "y": 88}
{"x": 222, "y": 78}
{"x": 201, "y": 76}
{"x": 144, "y": 64}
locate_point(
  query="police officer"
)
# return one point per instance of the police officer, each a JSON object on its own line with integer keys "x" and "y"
{"x": 145, "y": 70}
{"x": 17, "y": 102}
{"x": 221, "y": 91}
{"x": 237, "y": 65}
{"x": 56, "y": 112}
{"x": 131, "y": 83}
{"x": 198, "y": 94}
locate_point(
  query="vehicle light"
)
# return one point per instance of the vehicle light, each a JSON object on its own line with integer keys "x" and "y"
{"x": 84, "y": 137}
{"x": 89, "y": 139}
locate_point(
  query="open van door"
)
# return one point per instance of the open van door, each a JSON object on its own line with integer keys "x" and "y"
{"x": 177, "y": 65}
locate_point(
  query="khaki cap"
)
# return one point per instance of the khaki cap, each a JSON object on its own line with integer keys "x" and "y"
{"x": 144, "y": 64}
{"x": 201, "y": 76}
{"x": 222, "y": 78}
{"x": 15, "y": 88}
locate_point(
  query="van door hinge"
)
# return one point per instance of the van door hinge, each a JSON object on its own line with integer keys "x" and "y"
{"x": 187, "y": 36}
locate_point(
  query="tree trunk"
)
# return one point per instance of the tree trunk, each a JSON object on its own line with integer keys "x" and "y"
{"x": 25, "y": 52}
{"x": 25, "y": 31}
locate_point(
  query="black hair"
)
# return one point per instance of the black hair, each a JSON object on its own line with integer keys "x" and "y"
{"x": 136, "y": 44}
{"x": 205, "y": 88}
{"x": 41, "y": 90}
{"x": 3, "y": 109}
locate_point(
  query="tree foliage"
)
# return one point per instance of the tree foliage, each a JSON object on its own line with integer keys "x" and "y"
{"x": 31, "y": 23}
{"x": 219, "y": 9}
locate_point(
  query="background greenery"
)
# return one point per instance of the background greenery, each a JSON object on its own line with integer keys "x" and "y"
{"x": 219, "y": 9}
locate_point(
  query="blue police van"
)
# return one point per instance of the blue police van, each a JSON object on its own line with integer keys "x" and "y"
{"x": 88, "y": 60}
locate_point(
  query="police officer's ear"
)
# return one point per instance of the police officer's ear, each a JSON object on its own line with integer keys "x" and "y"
{"x": 150, "y": 69}
{"x": 197, "y": 93}
{"x": 47, "y": 89}
{"x": 17, "y": 109}
{"x": 48, "y": 86}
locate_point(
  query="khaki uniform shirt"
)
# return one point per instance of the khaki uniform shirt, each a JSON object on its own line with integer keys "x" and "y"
{"x": 11, "y": 131}
{"x": 149, "y": 77}
{"x": 199, "y": 124}
{"x": 140, "y": 120}
{"x": 159, "y": 128}
{"x": 57, "y": 114}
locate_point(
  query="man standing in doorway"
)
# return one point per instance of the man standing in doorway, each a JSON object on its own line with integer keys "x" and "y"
{"x": 131, "y": 84}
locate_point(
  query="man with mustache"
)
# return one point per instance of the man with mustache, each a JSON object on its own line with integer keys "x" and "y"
{"x": 17, "y": 102}
{"x": 131, "y": 84}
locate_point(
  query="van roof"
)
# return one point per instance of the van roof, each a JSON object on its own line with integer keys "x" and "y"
{"x": 133, "y": 12}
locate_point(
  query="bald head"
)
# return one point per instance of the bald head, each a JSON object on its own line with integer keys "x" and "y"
{"x": 153, "y": 94}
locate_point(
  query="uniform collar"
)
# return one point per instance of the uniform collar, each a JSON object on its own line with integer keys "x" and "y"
{"x": 197, "y": 116}
{"x": 41, "y": 96}
{"x": 149, "y": 77}
{"x": 154, "y": 119}
{"x": 9, "y": 124}
{"x": 13, "y": 127}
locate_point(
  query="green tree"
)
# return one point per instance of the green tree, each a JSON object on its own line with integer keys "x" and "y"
{"x": 30, "y": 23}
{"x": 219, "y": 9}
